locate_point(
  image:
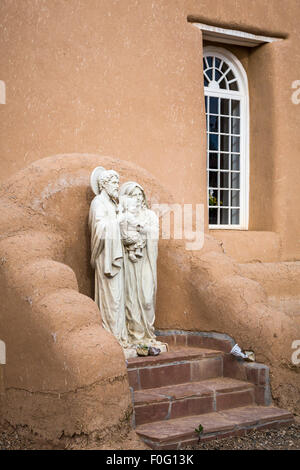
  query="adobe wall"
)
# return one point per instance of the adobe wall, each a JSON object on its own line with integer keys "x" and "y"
{"x": 65, "y": 375}
{"x": 124, "y": 78}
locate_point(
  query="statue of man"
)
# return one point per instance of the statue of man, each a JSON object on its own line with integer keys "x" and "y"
{"x": 107, "y": 252}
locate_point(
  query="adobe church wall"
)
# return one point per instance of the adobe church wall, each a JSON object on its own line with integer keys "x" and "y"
{"x": 125, "y": 78}
{"x": 118, "y": 78}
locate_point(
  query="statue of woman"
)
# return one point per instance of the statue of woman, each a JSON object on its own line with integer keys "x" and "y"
{"x": 140, "y": 272}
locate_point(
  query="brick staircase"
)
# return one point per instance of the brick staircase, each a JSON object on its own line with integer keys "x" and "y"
{"x": 198, "y": 382}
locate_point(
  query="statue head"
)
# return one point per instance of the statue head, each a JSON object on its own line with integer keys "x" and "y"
{"x": 109, "y": 181}
{"x": 128, "y": 204}
{"x": 135, "y": 191}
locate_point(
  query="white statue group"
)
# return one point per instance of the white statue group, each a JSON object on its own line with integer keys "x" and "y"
{"x": 124, "y": 242}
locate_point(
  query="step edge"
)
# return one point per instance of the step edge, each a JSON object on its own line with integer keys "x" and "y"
{"x": 209, "y": 393}
{"x": 241, "y": 385}
{"x": 171, "y": 361}
{"x": 277, "y": 419}
{"x": 217, "y": 435}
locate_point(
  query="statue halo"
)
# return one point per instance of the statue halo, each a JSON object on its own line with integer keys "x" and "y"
{"x": 95, "y": 178}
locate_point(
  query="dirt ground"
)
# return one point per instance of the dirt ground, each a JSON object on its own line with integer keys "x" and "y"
{"x": 286, "y": 438}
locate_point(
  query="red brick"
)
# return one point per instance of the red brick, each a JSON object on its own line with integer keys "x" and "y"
{"x": 234, "y": 368}
{"x": 150, "y": 413}
{"x": 252, "y": 374}
{"x": 165, "y": 375}
{"x": 143, "y": 397}
{"x": 170, "y": 339}
{"x": 206, "y": 368}
{"x": 192, "y": 406}
{"x": 218, "y": 344}
{"x": 195, "y": 341}
{"x": 226, "y": 385}
{"x": 264, "y": 376}
{"x": 225, "y": 401}
{"x": 181, "y": 340}
{"x": 260, "y": 395}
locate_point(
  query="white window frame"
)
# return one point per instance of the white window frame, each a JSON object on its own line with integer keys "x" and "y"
{"x": 243, "y": 96}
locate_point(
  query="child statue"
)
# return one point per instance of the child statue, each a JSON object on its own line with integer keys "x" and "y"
{"x": 133, "y": 237}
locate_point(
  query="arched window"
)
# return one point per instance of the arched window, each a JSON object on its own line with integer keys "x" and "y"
{"x": 227, "y": 114}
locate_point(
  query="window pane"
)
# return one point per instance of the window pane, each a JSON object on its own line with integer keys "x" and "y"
{"x": 223, "y": 84}
{"x": 235, "y": 144}
{"x": 224, "y": 216}
{"x": 224, "y": 161}
{"x": 235, "y": 126}
{"x": 218, "y": 75}
{"x": 234, "y": 86}
{"x": 213, "y": 124}
{"x": 235, "y": 108}
{"x": 230, "y": 76}
{"x": 206, "y": 99}
{"x": 209, "y": 73}
{"x": 224, "y": 67}
{"x": 235, "y": 162}
{"x": 217, "y": 62}
{"x": 224, "y": 125}
{"x": 235, "y": 216}
{"x": 209, "y": 61}
{"x": 235, "y": 198}
{"x": 213, "y": 197}
{"x": 224, "y": 143}
{"x": 224, "y": 180}
{"x": 224, "y": 106}
{"x": 213, "y": 105}
{"x": 213, "y": 179}
{"x": 235, "y": 180}
{"x": 213, "y": 216}
{"x": 213, "y": 141}
{"x": 224, "y": 198}
{"x": 213, "y": 161}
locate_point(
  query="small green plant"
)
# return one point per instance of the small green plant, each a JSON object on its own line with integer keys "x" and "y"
{"x": 213, "y": 201}
{"x": 199, "y": 431}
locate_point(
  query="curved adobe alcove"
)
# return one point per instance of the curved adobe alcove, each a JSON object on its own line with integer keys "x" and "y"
{"x": 65, "y": 375}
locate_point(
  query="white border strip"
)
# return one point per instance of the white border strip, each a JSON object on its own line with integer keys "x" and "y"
{"x": 230, "y": 36}
{"x": 2, "y": 352}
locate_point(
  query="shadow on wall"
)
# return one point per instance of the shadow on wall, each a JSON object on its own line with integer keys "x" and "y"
{"x": 65, "y": 375}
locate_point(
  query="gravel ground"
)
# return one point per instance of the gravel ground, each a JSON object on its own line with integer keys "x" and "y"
{"x": 286, "y": 438}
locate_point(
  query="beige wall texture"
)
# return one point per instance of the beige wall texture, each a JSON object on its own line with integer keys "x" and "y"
{"x": 124, "y": 78}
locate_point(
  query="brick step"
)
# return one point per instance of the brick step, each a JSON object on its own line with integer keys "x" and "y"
{"x": 193, "y": 398}
{"x": 175, "y": 433}
{"x": 178, "y": 366}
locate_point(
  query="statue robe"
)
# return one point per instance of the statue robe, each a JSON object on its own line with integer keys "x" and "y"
{"x": 141, "y": 286}
{"x": 107, "y": 260}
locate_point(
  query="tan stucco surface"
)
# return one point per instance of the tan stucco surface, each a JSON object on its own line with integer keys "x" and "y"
{"x": 124, "y": 78}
